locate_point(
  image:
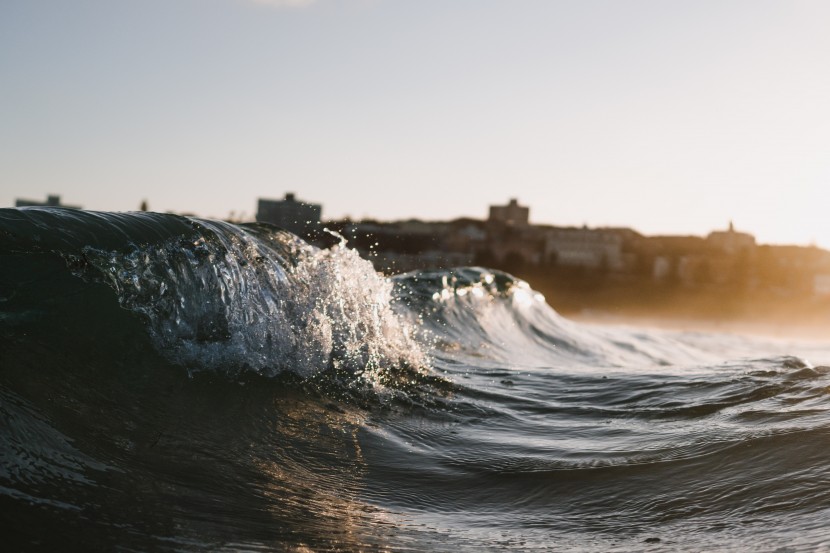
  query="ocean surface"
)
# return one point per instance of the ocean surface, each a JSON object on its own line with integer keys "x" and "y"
{"x": 177, "y": 384}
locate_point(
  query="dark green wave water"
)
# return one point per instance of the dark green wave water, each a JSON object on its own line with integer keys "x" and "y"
{"x": 174, "y": 384}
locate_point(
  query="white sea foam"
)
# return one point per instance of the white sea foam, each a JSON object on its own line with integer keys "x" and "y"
{"x": 262, "y": 300}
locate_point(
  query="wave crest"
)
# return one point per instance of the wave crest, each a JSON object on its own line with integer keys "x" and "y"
{"x": 234, "y": 298}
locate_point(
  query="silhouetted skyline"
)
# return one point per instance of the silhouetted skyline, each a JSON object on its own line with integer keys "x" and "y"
{"x": 670, "y": 118}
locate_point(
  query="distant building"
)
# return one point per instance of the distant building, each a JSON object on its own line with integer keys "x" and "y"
{"x": 661, "y": 268}
{"x": 466, "y": 235}
{"x": 511, "y": 214}
{"x": 731, "y": 241}
{"x": 399, "y": 246}
{"x": 292, "y": 215}
{"x": 514, "y": 250}
{"x": 821, "y": 285}
{"x": 394, "y": 263}
{"x": 584, "y": 247}
{"x": 51, "y": 201}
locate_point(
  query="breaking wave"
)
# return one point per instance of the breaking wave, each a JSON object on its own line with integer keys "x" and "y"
{"x": 172, "y": 383}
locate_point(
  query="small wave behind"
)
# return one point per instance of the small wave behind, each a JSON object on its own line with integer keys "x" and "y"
{"x": 492, "y": 318}
{"x": 605, "y": 438}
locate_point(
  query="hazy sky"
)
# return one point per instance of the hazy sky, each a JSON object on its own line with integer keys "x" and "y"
{"x": 666, "y": 116}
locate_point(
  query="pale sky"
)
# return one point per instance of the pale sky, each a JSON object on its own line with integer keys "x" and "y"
{"x": 665, "y": 116}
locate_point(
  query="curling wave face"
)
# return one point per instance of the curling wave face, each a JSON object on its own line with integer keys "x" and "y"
{"x": 216, "y": 296}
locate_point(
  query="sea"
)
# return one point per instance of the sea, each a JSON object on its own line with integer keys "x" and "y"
{"x": 180, "y": 384}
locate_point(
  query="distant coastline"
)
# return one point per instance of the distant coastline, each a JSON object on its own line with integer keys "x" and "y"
{"x": 602, "y": 273}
